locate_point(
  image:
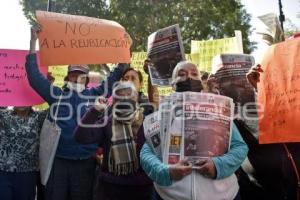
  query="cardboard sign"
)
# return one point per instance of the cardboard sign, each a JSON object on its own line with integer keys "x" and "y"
{"x": 279, "y": 94}
{"x": 14, "y": 87}
{"x": 59, "y": 73}
{"x": 204, "y": 51}
{"x": 68, "y": 39}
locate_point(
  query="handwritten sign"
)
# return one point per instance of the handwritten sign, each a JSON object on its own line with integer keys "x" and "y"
{"x": 59, "y": 72}
{"x": 279, "y": 94}
{"x": 137, "y": 62}
{"x": 69, "y": 39}
{"x": 14, "y": 87}
{"x": 203, "y": 52}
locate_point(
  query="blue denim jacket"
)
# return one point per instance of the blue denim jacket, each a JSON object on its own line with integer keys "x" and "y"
{"x": 72, "y": 106}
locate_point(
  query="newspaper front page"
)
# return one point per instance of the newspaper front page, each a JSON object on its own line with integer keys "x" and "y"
{"x": 165, "y": 50}
{"x": 206, "y": 125}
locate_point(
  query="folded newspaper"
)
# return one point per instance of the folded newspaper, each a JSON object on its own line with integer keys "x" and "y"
{"x": 165, "y": 50}
{"x": 152, "y": 132}
{"x": 191, "y": 126}
{"x": 230, "y": 72}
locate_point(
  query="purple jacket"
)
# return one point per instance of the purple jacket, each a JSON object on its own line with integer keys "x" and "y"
{"x": 101, "y": 135}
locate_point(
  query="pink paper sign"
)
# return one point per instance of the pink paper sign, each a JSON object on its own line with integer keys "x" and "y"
{"x": 14, "y": 87}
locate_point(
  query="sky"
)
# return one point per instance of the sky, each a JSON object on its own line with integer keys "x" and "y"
{"x": 15, "y": 29}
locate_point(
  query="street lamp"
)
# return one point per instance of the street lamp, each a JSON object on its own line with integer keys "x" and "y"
{"x": 281, "y": 15}
{"x": 51, "y": 5}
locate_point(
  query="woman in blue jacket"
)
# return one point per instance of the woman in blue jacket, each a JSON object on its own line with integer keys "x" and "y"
{"x": 72, "y": 173}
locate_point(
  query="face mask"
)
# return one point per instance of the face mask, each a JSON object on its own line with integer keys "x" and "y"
{"x": 75, "y": 86}
{"x": 190, "y": 85}
{"x": 125, "y": 109}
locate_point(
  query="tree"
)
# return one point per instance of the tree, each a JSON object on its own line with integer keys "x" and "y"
{"x": 198, "y": 19}
{"x": 91, "y": 8}
{"x": 290, "y": 28}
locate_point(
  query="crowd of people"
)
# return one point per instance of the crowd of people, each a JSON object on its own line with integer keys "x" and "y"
{"x": 111, "y": 118}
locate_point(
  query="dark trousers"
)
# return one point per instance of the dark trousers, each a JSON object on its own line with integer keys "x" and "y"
{"x": 71, "y": 180}
{"x": 17, "y": 186}
{"x": 119, "y": 192}
{"x": 40, "y": 189}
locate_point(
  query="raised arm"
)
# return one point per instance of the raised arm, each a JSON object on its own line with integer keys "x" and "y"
{"x": 35, "y": 78}
{"x": 106, "y": 86}
{"x": 153, "y": 93}
{"x": 227, "y": 164}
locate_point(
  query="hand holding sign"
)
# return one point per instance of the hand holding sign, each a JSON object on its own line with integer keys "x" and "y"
{"x": 253, "y": 75}
{"x": 35, "y": 29}
{"x": 279, "y": 93}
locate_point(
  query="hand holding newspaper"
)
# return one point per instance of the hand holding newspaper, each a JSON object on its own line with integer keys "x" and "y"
{"x": 165, "y": 50}
{"x": 190, "y": 125}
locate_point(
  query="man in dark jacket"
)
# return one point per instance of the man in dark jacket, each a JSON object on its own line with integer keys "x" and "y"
{"x": 73, "y": 169}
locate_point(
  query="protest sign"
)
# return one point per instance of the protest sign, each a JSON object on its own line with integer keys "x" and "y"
{"x": 69, "y": 39}
{"x": 165, "y": 50}
{"x": 14, "y": 87}
{"x": 279, "y": 94}
{"x": 204, "y": 51}
{"x": 137, "y": 62}
{"x": 59, "y": 72}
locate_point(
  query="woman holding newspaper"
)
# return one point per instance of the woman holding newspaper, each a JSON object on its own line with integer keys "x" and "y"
{"x": 209, "y": 178}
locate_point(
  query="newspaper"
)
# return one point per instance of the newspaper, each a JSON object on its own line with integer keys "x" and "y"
{"x": 164, "y": 116}
{"x": 165, "y": 50}
{"x": 173, "y": 139}
{"x": 207, "y": 125}
{"x": 152, "y": 132}
{"x": 230, "y": 72}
